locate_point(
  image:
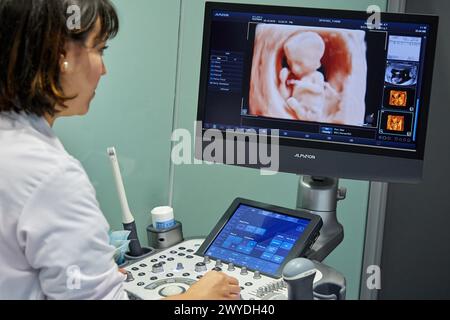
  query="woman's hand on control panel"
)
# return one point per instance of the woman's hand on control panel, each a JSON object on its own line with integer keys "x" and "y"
{"x": 213, "y": 286}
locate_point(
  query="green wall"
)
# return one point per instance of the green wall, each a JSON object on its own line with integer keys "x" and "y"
{"x": 134, "y": 111}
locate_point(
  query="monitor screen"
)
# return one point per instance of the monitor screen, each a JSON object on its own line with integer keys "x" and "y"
{"x": 325, "y": 80}
{"x": 257, "y": 239}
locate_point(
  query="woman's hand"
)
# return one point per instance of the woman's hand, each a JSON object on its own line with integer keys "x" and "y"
{"x": 213, "y": 286}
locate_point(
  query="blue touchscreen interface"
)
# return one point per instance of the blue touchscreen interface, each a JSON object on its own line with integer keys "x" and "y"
{"x": 257, "y": 239}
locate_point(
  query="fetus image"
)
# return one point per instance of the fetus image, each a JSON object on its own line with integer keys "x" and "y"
{"x": 309, "y": 74}
{"x": 396, "y": 123}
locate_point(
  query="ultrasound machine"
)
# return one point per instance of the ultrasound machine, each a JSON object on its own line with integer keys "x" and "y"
{"x": 357, "y": 108}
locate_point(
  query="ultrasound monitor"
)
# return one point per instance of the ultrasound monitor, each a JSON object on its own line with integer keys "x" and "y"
{"x": 261, "y": 237}
{"x": 347, "y": 100}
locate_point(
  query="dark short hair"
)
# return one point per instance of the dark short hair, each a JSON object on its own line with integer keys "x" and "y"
{"x": 33, "y": 34}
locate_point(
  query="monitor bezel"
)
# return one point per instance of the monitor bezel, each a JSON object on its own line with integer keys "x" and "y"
{"x": 432, "y": 21}
{"x": 301, "y": 246}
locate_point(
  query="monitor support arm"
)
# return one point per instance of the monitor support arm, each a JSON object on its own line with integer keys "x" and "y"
{"x": 320, "y": 195}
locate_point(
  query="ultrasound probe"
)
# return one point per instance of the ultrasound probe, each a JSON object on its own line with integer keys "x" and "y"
{"x": 127, "y": 218}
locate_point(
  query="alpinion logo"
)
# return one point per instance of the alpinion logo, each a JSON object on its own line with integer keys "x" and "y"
{"x": 305, "y": 156}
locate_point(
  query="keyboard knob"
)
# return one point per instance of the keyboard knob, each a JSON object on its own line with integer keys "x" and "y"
{"x": 244, "y": 271}
{"x": 219, "y": 263}
{"x": 206, "y": 260}
{"x": 158, "y": 268}
{"x": 200, "y": 267}
{"x": 231, "y": 266}
{"x": 257, "y": 275}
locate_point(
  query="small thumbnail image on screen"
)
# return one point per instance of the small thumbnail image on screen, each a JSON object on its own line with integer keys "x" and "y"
{"x": 396, "y": 123}
{"x": 401, "y": 74}
{"x": 309, "y": 74}
{"x": 399, "y": 98}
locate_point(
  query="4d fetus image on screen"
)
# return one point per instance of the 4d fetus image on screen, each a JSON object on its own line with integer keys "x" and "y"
{"x": 398, "y": 98}
{"x": 309, "y": 74}
{"x": 396, "y": 123}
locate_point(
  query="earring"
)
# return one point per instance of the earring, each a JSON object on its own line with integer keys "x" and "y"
{"x": 65, "y": 65}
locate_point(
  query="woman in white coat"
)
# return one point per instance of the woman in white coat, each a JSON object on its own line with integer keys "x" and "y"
{"x": 50, "y": 221}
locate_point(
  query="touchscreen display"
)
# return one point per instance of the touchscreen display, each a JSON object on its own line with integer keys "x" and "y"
{"x": 257, "y": 239}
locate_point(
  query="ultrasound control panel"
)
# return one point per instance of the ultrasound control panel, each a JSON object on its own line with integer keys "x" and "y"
{"x": 251, "y": 242}
{"x": 174, "y": 270}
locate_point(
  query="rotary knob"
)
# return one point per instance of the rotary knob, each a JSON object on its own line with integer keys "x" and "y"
{"x": 244, "y": 271}
{"x": 158, "y": 268}
{"x": 231, "y": 266}
{"x": 200, "y": 267}
{"x": 257, "y": 275}
{"x": 219, "y": 263}
{"x": 206, "y": 260}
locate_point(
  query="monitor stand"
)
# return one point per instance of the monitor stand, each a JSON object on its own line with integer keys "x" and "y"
{"x": 320, "y": 195}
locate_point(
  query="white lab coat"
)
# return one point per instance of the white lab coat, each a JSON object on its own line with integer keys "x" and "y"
{"x": 54, "y": 240}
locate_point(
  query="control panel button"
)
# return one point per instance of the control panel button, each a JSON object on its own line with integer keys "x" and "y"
{"x": 143, "y": 265}
{"x": 257, "y": 275}
{"x": 200, "y": 267}
{"x": 244, "y": 271}
{"x": 180, "y": 266}
{"x": 157, "y": 268}
{"x": 231, "y": 267}
{"x": 260, "y": 292}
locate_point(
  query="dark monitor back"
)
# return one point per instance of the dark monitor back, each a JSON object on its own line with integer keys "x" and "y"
{"x": 346, "y": 100}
